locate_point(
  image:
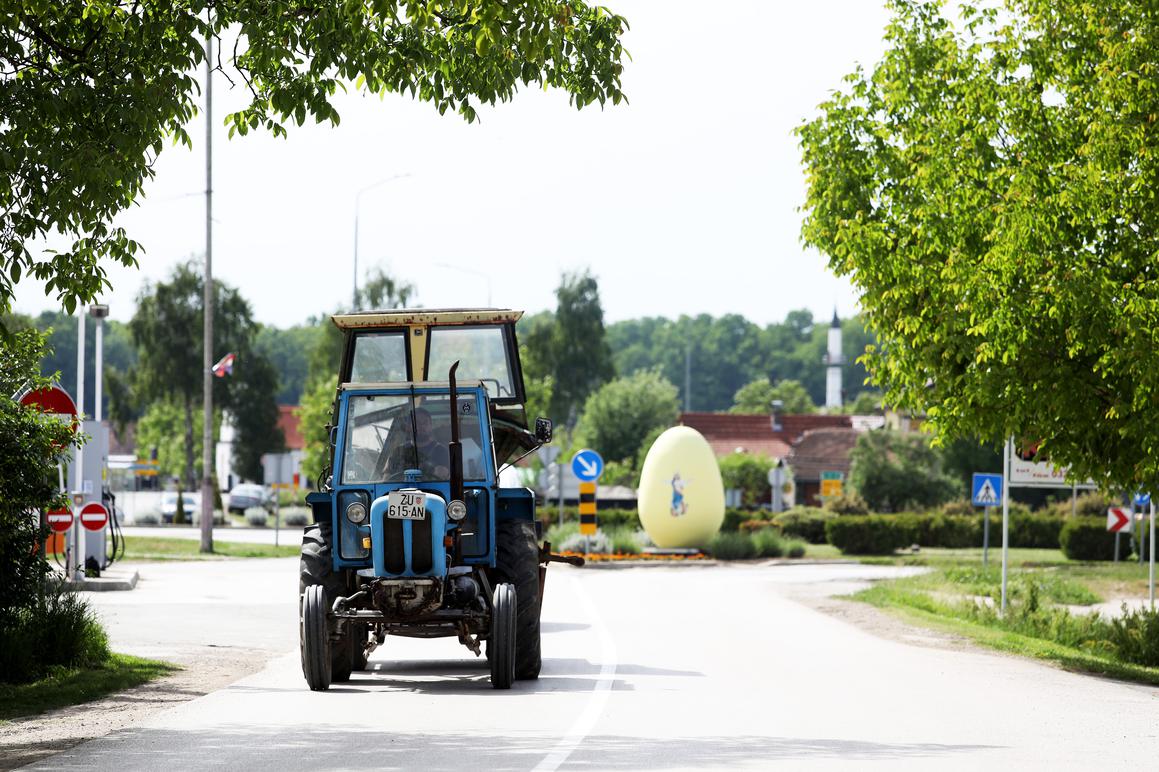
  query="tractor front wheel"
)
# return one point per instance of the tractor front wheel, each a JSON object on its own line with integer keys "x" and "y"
{"x": 518, "y": 562}
{"x": 315, "y": 638}
{"x": 501, "y": 642}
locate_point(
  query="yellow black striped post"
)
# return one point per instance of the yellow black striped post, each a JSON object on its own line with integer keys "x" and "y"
{"x": 587, "y": 508}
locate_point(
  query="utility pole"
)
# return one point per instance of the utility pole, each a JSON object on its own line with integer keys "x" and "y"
{"x": 207, "y": 342}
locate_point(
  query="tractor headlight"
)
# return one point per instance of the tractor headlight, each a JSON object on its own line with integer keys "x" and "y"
{"x": 356, "y": 512}
{"x": 456, "y": 510}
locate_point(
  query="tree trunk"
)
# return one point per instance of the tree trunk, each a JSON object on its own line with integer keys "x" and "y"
{"x": 190, "y": 482}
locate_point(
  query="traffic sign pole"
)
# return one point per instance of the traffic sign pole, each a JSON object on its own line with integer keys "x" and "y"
{"x": 1007, "y": 452}
{"x": 1151, "y": 570}
{"x": 985, "y": 537}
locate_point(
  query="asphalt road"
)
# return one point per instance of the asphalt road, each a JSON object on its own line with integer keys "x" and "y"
{"x": 688, "y": 667}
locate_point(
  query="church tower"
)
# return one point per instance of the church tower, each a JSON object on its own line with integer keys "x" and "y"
{"x": 833, "y": 361}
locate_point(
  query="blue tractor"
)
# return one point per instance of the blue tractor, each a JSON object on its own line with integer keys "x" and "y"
{"x": 412, "y": 534}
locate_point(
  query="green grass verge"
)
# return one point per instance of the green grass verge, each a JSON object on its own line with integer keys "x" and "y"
{"x": 1041, "y": 582}
{"x": 152, "y": 548}
{"x": 66, "y": 687}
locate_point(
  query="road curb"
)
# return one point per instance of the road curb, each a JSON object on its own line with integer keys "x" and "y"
{"x": 112, "y": 581}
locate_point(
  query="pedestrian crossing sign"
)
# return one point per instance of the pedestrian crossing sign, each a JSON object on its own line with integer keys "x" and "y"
{"x": 987, "y": 490}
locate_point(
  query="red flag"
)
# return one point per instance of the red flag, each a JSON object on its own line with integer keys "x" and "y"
{"x": 225, "y": 366}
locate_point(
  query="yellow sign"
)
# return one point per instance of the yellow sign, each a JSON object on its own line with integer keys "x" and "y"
{"x": 831, "y": 488}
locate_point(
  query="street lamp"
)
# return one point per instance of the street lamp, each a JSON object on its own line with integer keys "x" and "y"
{"x": 471, "y": 271}
{"x": 357, "y": 204}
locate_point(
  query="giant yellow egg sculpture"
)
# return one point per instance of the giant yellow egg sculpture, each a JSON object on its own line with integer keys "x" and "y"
{"x": 681, "y": 494}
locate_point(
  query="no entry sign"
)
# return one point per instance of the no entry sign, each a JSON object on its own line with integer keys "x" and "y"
{"x": 59, "y": 520}
{"x": 94, "y": 516}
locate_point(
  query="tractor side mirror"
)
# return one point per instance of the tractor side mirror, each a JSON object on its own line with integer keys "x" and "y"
{"x": 543, "y": 430}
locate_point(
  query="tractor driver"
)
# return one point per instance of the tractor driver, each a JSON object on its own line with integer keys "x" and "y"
{"x": 426, "y": 453}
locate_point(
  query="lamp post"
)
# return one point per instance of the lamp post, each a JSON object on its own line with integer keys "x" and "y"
{"x": 473, "y": 272}
{"x": 357, "y": 205}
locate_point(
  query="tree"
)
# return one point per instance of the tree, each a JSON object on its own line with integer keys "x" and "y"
{"x": 254, "y": 413}
{"x": 989, "y": 187}
{"x": 568, "y": 346}
{"x": 618, "y": 416}
{"x": 748, "y": 473}
{"x": 866, "y": 402}
{"x": 167, "y": 331}
{"x": 31, "y": 444}
{"x": 893, "y": 471}
{"x": 314, "y": 419}
{"x": 71, "y": 164}
{"x": 757, "y": 398}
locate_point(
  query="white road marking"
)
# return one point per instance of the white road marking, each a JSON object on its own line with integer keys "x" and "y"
{"x": 599, "y": 696}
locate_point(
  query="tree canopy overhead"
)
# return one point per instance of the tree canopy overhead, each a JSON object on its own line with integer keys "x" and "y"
{"x": 991, "y": 186}
{"x": 91, "y": 89}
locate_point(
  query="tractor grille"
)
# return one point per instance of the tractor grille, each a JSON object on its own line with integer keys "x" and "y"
{"x": 394, "y": 547}
{"x": 420, "y": 540}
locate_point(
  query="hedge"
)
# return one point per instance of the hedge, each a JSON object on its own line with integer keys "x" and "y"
{"x": 1087, "y": 538}
{"x": 868, "y": 534}
{"x": 806, "y": 523}
{"x": 938, "y": 530}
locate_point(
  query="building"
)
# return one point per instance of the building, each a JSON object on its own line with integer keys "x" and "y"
{"x": 816, "y": 451}
{"x": 286, "y": 467}
{"x": 767, "y": 435}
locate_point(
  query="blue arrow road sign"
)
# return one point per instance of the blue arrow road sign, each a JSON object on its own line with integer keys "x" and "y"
{"x": 987, "y": 490}
{"x": 1142, "y": 499}
{"x": 587, "y": 465}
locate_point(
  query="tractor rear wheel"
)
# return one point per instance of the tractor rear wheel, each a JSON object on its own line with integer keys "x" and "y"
{"x": 315, "y": 639}
{"x": 502, "y": 645}
{"x": 517, "y": 562}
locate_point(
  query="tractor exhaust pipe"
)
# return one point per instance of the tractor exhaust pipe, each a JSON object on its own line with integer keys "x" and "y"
{"x": 455, "y": 449}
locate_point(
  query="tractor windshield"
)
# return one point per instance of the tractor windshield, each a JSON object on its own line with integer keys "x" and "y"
{"x": 388, "y": 434}
{"x": 482, "y": 355}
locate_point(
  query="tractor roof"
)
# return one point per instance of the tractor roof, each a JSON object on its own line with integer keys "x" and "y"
{"x": 425, "y": 316}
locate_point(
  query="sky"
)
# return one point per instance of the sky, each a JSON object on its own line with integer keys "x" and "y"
{"x": 684, "y": 201}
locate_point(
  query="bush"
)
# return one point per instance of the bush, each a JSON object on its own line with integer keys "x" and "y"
{"x": 847, "y": 504}
{"x": 747, "y": 473}
{"x": 795, "y": 549}
{"x": 768, "y": 543}
{"x": 624, "y": 541}
{"x": 1135, "y": 636}
{"x": 256, "y": 517}
{"x": 1089, "y": 504}
{"x": 752, "y": 526}
{"x": 733, "y": 517}
{"x": 295, "y": 516}
{"x": 1036, "y": 531}
{"x": 732, "y": 546}
{"x": 1087, "y": 538}
{"x": 63, "y": 633}
{"x": 868, "y": 534}
{"x": 599, "y": 544}
{"x": 806, "y": 523}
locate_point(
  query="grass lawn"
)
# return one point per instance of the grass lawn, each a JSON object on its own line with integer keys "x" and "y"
{"x": 72, "y": 687}
{"x": 150, "y": 548}
{"x": 959, "y": 596}
{"x": 822, "y": 552}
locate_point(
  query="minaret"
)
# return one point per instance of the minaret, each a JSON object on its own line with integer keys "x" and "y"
{"x": 833, "y": 361}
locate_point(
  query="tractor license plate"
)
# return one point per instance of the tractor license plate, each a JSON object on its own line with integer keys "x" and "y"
{"x": 406, "y": 505}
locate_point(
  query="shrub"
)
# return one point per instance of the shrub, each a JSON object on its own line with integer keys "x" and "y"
{"x": 599, "y": 544}
{"x": 768, "y": 543}
{"x": 847, "y": 504}
{"x": 752, "y": 526}
{"x": 256, "y": 516}
{"x": 732, "y": 546}
{"x": 623, "y": 541}
{"x": 747, "y": 473}
{"x": 295, "y": 516}
{"x": 1089, "y": 504}
{"x": 733, "y": 517}
{"x": 63, "y": 633}
{"x": 1041, "y": 531}
{"x": 1135, "y": 636}
{"x": 806, "y": 523}
{"x": 795, "y": 549}
{"x": 868, "y": 534}
{"x": 1087, "y": 538}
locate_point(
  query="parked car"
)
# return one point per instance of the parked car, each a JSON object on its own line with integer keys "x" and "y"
{"x": 191, "y": 502}
{"x": 247, "y": 495}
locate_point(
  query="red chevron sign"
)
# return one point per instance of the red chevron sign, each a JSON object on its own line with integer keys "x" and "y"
{"x": 1117, "y": 519}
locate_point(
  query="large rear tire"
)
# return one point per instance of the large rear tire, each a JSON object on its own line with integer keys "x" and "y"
{"x": 315, "y": 639}
{"x": 502, "y": 643}
{"x": 517, "y": 562}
